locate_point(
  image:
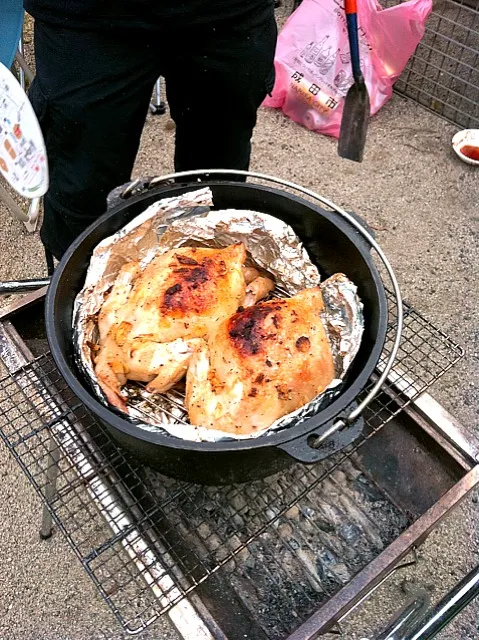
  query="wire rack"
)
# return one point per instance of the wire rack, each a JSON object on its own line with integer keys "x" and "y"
{"x": 443, "y": 74}
{"x": 147, "y": 541}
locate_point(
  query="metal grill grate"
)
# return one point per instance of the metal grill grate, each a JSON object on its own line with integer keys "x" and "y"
{"x": 147, "y": 541}
{"x": 443, "y": 74}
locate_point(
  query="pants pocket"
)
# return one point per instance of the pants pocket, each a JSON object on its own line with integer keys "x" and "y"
{"x": 39, "y": 104}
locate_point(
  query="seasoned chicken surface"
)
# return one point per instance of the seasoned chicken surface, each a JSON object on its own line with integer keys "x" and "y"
{"x": 260, "y": 364}
{"x": 153, "y": 320}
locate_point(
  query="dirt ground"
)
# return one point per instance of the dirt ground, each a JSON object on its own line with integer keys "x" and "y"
{"x": 424, "y": 206}
{"x": 423, "y": 203}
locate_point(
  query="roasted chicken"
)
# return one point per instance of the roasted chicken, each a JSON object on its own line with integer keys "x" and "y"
{"x": 260, "y": 364}
{"x": 153, "y": 320}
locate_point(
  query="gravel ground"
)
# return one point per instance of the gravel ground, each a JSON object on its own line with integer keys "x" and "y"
{"x": 423, "y": 203}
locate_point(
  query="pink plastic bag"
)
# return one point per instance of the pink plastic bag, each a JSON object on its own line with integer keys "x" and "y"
{"x": 313, "y": 68}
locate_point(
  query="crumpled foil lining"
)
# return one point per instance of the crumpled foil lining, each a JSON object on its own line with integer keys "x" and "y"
{"x": 271, "y": 245}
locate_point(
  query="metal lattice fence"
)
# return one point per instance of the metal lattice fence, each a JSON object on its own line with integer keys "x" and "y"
{"x": 443, "y": 74}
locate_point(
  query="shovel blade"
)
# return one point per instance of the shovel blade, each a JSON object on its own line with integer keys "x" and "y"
{"x": 354, "y": 123}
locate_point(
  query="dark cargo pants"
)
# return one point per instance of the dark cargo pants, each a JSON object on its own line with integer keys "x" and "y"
{"x": 91, "y": 95}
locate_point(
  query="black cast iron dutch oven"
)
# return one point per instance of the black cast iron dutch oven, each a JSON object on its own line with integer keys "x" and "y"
{"x": 332, "y": 243}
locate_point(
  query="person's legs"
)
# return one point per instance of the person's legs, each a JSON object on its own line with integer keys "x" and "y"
{"x": 91, "y": 95}
{"x": 216, "y": 80}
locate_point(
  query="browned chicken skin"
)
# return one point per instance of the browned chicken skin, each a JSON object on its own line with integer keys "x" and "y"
{"x": 260, "y": 364}
{"x": 153, "y": 320}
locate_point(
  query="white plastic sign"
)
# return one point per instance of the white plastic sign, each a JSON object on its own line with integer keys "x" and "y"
{"x": 23, "y": 160}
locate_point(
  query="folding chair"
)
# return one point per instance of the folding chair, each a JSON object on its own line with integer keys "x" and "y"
{"x": 11, "y": 30}
{"x": 11, "y": 27}
{"x": 11, "y": 49}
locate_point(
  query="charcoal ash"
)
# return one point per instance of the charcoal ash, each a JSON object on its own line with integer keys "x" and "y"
{"x": 303, "y": 549}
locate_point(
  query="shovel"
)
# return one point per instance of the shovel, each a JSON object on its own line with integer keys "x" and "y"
{"x": 354, "y": 123}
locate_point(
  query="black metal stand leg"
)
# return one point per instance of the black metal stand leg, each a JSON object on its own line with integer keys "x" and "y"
{"x": 24, "y": 286}
{"x": 51, "y": 476}
{"x": 158, "y": 107}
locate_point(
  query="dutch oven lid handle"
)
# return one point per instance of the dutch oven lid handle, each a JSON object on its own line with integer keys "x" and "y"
{"x": 145, "y": 184}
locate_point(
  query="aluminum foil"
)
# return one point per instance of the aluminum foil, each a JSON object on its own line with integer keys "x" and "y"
{"x": 271, "y": 245}
{"x": 343, "y": 318}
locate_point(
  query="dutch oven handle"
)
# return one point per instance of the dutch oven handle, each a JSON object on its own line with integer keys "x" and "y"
{"x": 134, "y": 188}
{"x": 142, "y": 185}
{"x": 331, "y": 437}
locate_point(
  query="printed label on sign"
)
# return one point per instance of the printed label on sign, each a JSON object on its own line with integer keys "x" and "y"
{"x": 326, "y": 65}
{"x": 313, "y": 94}
{"x": 23, "y": 161}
